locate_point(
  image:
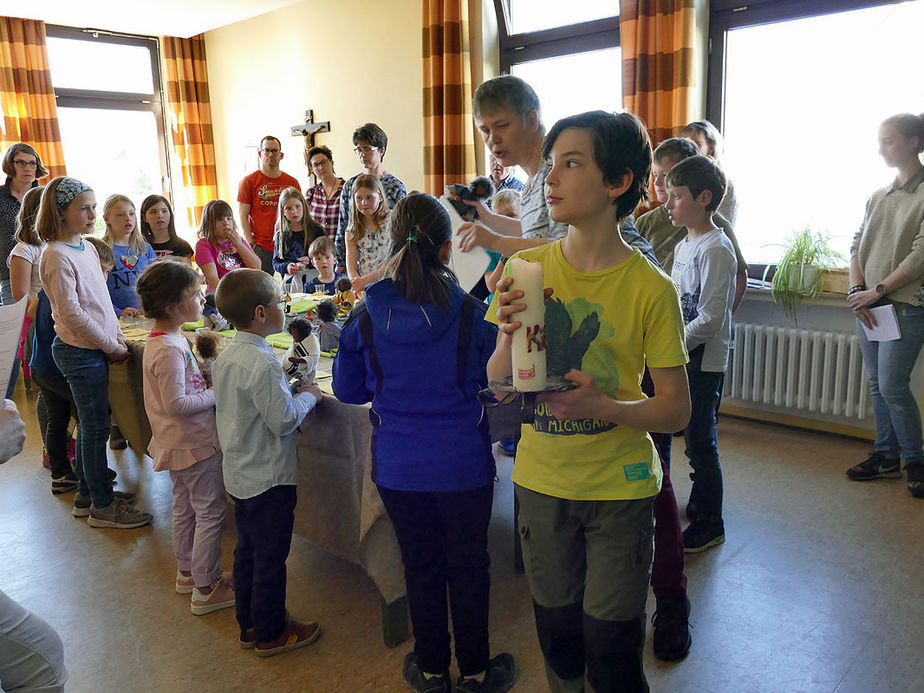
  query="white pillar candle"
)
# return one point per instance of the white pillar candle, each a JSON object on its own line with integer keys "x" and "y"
{"x": 528, "y": 348}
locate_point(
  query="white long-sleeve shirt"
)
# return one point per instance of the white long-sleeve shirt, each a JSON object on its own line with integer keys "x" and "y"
{"x": 704, "y": 271}
{"x": 257, "y": 417}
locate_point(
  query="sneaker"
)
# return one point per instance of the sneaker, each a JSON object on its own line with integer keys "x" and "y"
{"x": 46, "y": 462}
{"x": 916, "y": 480}
{"x": 501, "y": 675}
{"x": 64, "y": 483}
{"x": 82, "y": 505}
{"x": 415, "y": 679}
{"x": 672, "y": 628}
{"x": 118, "y": 515}
{"x": 700, "y": 536}
{"x": 248, "y": 639}
{"x": 876, "y": 466}
{"x": 296, "y": 635}
{"x": 221, "y": 597}
{"x": 111, "y": 473}
{"x": 116, "y": 439}
{"x": 184, "y": 583}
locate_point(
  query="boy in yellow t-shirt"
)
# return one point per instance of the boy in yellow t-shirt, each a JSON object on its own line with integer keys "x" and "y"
{"x": 586, "y": 471}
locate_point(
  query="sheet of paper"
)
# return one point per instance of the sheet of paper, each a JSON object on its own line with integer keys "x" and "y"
{"x": 11, "y": 318}
{"x": 887, "y": 328}
{"x": 469, "y": 267}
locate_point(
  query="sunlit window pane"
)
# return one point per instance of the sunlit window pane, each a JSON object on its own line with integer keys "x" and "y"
{"x": 112, "y": 152}
{"x": 803, "y": 104}
{"x": 101, "y": 66}
{"x": 535, "y": 15}
{"x": 575, "y": 83}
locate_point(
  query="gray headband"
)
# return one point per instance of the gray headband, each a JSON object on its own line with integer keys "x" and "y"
{"x": 68, "y": 189}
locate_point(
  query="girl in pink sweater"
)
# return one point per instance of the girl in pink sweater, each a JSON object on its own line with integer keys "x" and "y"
{"x": 181, "y": 409}
{"x": 88, "y": 341}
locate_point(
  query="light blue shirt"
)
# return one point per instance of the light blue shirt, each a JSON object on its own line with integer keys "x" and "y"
{"x": 257, "y": 417}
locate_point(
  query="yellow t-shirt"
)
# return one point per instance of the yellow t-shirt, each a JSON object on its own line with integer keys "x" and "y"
{"x": 607, "y": 324}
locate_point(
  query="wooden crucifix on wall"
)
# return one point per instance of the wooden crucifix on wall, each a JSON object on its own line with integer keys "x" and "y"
{"x": 309, "y": 129}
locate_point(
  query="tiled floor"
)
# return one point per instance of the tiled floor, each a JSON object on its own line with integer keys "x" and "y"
{"x": 818, "y": 587}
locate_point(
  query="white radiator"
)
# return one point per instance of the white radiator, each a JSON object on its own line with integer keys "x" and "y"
{"x": 802, "y": 370}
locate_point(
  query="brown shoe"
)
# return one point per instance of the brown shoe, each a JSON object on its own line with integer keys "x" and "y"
{"x": 294, "y": 636}
{"x": 247, "y": 640}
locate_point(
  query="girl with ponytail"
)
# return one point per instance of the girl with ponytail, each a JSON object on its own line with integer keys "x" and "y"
{"x": 417, "y": 348}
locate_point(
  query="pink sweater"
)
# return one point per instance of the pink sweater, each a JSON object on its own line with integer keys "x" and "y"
{"x": 179, "y": 404}
{"x": 80, "y": 302}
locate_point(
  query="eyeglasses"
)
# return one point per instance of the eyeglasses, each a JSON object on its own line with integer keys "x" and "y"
{"x": 280, "y": 302}
{"x": 364, "y": 150}
{"x": 25, "y": 164}
{"x": 271, "y": 151}
{"x": 319, "y": 164}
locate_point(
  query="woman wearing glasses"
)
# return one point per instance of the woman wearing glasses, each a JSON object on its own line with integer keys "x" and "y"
{"x": 369, "y": 143}
{"x": 323, "y": 199}
{"x": 23, "y": 168}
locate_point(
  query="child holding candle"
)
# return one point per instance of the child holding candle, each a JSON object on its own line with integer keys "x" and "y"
{"x": 608, "y": 312}
{"x": 401, "y": 350}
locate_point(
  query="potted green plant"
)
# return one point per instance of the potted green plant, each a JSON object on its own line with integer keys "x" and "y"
{"x": 799, "y": 273}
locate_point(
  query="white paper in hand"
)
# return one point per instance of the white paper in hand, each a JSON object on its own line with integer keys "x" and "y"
{"x": 471, "y": 266}
{"x": 886, "y": 328}
{"x": 11, "y": 318}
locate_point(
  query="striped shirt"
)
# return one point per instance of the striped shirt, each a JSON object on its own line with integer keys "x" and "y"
{"x": 534, "y": 212}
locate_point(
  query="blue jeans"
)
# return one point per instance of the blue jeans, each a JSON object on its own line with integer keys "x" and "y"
{"x": 888, "y": 368}
{"x": 700, "y": 437}
{"x": 87, "y": 374}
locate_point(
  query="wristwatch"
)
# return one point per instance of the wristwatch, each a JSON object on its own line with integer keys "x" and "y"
{"x": 880, "y": 289}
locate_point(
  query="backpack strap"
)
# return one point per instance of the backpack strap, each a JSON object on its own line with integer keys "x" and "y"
{"x": 366, "y": 334}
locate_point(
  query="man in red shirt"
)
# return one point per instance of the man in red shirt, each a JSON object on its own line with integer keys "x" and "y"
{"x": 258, "y": 198}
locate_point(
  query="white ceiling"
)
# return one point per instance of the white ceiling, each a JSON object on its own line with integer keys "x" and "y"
{"x": 183, "y": 18}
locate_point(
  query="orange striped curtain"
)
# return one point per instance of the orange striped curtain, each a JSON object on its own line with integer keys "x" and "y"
{"x": 190, "y": 126}
{"x": 27, "y": 98}
{"x": 449, "y": 140}
{"x": 657, "y": 39}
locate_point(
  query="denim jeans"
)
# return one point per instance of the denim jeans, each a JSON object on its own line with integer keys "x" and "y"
{"x": 888, "y": 368}
{"x": 87, "y": 374}
{"x": 700, "y": 436}
{"x": 57, "y": 399}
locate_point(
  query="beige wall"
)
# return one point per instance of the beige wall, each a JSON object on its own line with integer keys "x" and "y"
{"x": 352, "y": 61}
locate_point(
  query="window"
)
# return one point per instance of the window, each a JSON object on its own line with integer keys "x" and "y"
{"x": 568, "y": 53}
{"x": 799, "y": 99}
{"x": 109, "y": 110}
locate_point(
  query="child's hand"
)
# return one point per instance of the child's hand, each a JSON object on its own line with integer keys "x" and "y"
{"x": 494, "y": 276}
{"x": 313, "y": 389}
{"x": 130, "y": 313}
{"x": 120, "y": 355}
{"x": 508, "y": 305}
{"x": 293, "y": 268}
{"x": 584, "y": 402}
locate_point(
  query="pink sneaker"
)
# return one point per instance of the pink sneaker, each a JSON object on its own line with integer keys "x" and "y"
{"x": 184, "y": 583}
{"x": 221, "y": 597}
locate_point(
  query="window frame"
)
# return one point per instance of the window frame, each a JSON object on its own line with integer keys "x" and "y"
{"x": 117, "y": 100}
{"x": 551, "y": 43}
{"x": 727, "y": 15}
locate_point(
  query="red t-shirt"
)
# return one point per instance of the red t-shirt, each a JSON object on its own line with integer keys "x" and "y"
{"x": 262, "y": 194}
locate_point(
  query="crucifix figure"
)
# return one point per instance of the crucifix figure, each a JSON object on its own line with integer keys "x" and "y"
{"x": 309, "y": 129}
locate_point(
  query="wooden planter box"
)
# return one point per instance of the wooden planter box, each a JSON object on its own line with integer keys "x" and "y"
{"x": 836, "y": 281}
